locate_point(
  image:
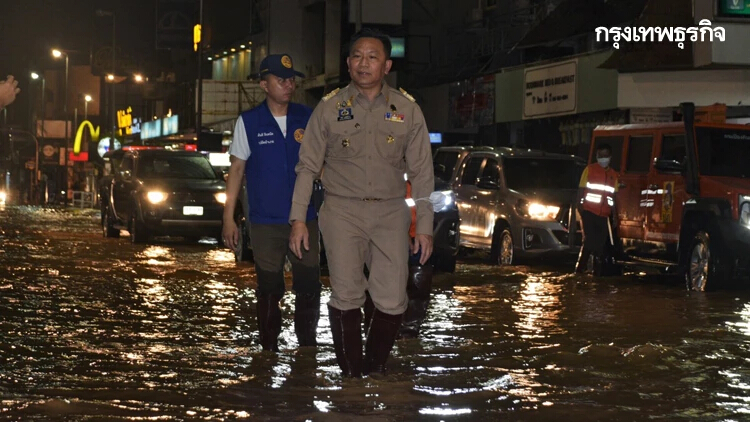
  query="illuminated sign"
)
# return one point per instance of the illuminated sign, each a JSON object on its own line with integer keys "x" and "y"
{"x": 79, "y": 134}
{"x": 170, "y": 125}
{"x": 84, "y": 156}
{"x": 734, "y": 8}
{"x": 125, "y": 121}
{"x": 161, "y": 127}
{"x": 103, "y": 146}
{"x": 398, "y": 47}
{"x": 151, "y": 129}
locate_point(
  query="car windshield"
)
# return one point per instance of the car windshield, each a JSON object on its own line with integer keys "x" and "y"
{"x": 175, "y": 167}
{"x": 444, "y": 162}
{"x": 524, "y": 174}
{"x": 723, "y": 151}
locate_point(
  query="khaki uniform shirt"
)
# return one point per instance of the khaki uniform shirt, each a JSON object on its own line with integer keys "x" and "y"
{"x": 364, "y": 149}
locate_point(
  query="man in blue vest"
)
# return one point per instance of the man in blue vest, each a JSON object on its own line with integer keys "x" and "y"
{"x": 265, "y": 150}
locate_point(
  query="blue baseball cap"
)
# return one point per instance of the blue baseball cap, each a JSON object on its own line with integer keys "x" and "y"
{"x": 278, "y": 65}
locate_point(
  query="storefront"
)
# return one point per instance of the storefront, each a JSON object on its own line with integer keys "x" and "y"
{"x": 555, "y": 106}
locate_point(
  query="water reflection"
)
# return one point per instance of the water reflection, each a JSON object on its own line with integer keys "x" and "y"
{"x": 168, "y": 332}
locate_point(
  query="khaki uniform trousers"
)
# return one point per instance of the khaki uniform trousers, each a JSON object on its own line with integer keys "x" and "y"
{"x": 373, "y": 233}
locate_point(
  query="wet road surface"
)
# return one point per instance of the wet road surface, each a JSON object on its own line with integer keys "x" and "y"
{"x": 97, "y": 329}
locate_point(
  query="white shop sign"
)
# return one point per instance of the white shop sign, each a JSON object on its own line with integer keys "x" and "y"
{"x": 550, "y": 90}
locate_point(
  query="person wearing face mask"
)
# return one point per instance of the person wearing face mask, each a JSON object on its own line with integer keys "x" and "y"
{"x": 596, "y": 193}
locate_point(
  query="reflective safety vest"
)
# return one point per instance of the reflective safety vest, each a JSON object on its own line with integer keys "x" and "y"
{"x": 600, "y": 186}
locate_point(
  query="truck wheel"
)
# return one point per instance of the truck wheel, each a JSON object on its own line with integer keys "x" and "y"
{"x": 138, "y": 231}
{"x": 704, "y": 271}
{"x": 107, "y": 224}
{"x": 501, "y": 252}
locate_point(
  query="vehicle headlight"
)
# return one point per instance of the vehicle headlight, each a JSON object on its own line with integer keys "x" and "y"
{"x": 443, "y": 200}
{"x": 221, "y": 197}
{"x": 156, "y": 197}
{"x": 3, "y": 197}
{"x": 745, "y": 210}
{"x": 537, "y": 211}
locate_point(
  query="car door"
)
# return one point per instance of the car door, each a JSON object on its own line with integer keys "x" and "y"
{"x": 634, "y": 199}
{"x": 663, "y": 222}
{"x": 121, "y": 203}
{"x": 487, "y": 200}
{"x": 466, "y": 199}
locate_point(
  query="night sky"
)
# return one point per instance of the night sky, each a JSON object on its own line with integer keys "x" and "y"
{"x": 29, "y": 29}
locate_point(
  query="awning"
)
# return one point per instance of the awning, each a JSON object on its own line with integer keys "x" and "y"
{"x": 576, "y": 17}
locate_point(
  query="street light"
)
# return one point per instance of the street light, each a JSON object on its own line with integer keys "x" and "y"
{"x": 57, "y": 54}
{"x": 86, "y": 100}
{"x": 102, "y": 13}
{"x": 138, "y": 77}
{"x": 36, "y": 76}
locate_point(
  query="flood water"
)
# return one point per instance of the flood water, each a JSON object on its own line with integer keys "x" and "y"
{"x": 97, "y": 329}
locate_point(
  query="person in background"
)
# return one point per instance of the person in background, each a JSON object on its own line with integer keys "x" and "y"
{"x": 265, "y": 151}
{"x": 596, "y": 193}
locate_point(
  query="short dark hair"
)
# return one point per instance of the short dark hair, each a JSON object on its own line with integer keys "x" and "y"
{"x": 372, "y": 33}
{"x": 603, "y": 147}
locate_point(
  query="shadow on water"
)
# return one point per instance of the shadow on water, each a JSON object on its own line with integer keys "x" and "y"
{"x": 99, "y": 329}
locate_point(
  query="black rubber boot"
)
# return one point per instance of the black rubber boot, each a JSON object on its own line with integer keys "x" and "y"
{"x": 380, "y": 340}
{"x": 583, "y": 260}
{"x": 269, "y": 320}
{"x": 346, "y": 329}
{"x": 306, "y": 317}
{"x": 418, "y": 289}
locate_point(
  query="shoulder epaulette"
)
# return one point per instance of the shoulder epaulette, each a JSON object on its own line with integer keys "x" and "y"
{"x": 331, "y": 94}
{"x": 407, "y": 95}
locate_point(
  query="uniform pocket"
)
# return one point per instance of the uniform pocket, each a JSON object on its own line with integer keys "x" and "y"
{"x": 346, "y": 140}
{"x": 391, "y": 141}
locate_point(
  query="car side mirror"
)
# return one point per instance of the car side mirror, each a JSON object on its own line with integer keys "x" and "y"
{"x": 669, "y": 166}
{"x": 125, "y": 174}
{"x": 487, "y": 183}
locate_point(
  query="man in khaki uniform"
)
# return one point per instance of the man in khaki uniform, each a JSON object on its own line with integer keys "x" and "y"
{"x": 366, "y": 136}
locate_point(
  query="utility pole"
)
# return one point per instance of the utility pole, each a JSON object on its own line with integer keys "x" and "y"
{"x": 199, "y": 105}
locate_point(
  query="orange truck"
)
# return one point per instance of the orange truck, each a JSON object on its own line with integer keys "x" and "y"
{"x": 683, "y": 199}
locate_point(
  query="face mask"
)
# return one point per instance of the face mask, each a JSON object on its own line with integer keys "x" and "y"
{"x": 604, "y": 162}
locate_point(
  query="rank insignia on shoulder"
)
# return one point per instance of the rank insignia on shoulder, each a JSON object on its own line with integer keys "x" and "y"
{"x": 331, "y": 94}
{"x": 345, "y": 143}
{"x": 393, "y": 117}
{"x": 407, "y": 95}
{"x": 345, "y": 114}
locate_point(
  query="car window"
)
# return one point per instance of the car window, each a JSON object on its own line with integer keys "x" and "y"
{"x": 616, "y": 143}
{"x": 524, "y": 174}
{"x": 176, "y": 167}
{"x": 639, "y": 154}
{"x": 471, "y": 171}
{"x": 445, "y": 163}
{"x": 492, "y": 170}
{"x": 673, "y": 148}
{"x": 126, "y": 164}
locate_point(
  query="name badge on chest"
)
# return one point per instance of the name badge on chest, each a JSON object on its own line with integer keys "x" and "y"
{"x": 345, "y": 114}
{"x": 394, "y": 117}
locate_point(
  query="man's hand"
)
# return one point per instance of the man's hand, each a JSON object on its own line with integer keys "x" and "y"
{"x": 231, "y": 234}
{"x": 423, "y": 241}
{"x": 299, "y": 235}
{"x": 8, "y": 91}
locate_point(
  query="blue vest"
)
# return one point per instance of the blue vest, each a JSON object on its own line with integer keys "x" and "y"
{"x": 270, "y": 169}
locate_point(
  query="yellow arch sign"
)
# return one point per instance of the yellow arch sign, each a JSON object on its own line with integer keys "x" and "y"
{"x": 79, "y": 134}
